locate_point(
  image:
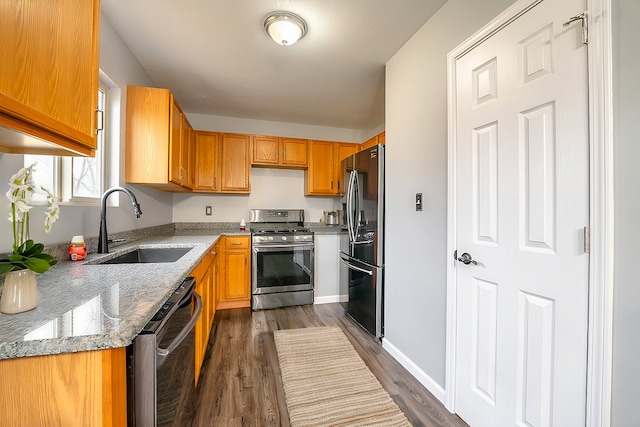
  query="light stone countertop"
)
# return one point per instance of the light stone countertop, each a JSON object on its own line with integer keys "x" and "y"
{"x": 85, "y": 306}
{"x": 90, "y": 307}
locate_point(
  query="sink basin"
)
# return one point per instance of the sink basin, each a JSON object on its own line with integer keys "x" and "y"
{"x": 149, "y": 255}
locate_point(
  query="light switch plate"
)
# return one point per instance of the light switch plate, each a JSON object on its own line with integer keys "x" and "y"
{"x": 418, "y": 201}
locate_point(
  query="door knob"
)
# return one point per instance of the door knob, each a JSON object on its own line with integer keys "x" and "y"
{"x": 467, "y": 259}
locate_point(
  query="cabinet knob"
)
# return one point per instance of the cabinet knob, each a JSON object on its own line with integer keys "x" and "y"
{"x": 213, "y": 252}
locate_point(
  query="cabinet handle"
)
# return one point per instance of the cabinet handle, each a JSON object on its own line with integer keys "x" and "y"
{"x": 284, "y": 157}
{"x": 99, "y": 120}
{"x": 236, "y": 243}
{"x": 332, "y": 185}
{"x": 246, "y": 181}
{"x": 338, "y": 185}
{"x": 245, "y": 260}
{"x": 215, "y": 182}
{"x": 276, "y": 155}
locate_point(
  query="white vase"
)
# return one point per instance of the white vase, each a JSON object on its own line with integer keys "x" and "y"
{"x": 20, "y": 292}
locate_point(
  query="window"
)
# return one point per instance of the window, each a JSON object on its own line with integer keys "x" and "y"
{"x": 77, "y": 180}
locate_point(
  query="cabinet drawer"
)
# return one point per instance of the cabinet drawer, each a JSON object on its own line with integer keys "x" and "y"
{"x": 237, "y": 242}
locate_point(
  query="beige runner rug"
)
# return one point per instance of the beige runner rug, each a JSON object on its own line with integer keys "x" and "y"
{"x": 326, "y": 383}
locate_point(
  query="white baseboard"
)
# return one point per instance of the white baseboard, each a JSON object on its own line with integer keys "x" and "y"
{"x": 331, "y": 298}
{"x": 414, "y": 370}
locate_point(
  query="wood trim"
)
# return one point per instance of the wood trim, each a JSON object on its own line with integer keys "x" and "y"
{"x": 225, "y": 305}
{"x": 114, "y": 387}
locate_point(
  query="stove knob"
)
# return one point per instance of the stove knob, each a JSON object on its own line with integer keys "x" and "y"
{"x": 284, "y": 237}
{"x": 270, "y": 238}
{"x": 296, "y": 238}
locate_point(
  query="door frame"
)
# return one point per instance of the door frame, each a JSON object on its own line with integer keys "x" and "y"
{"x": 600, "y": 316}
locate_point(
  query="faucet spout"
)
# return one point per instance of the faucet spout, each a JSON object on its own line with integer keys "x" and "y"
{"x": 103, "y": 240}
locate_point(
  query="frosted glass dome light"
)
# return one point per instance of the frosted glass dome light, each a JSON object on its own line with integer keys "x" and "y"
{"x": 285, "y": 28}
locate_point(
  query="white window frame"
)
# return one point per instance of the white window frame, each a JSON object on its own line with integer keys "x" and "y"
{"x": 108, "y": 150}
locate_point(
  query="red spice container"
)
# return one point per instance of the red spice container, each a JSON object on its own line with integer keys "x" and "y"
{"x": 77, "y": 249}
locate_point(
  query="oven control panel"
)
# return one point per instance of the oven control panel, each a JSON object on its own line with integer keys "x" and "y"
{"x": 283, "y": 238}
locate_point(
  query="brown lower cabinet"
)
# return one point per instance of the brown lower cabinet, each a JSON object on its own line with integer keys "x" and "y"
{"x": 87, "y": 388}
{"x": 235, "y": 288}
{"x": 206, "y": 275}
{"x": 223, "y": 281}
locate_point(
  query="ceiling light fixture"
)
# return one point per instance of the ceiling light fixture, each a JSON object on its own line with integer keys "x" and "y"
{"x": 285, "y": 28}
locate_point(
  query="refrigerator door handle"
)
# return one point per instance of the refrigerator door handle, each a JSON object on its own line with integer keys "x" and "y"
{"x": 353, "y": 267}
{"x": 362, "y": 242}
{"x": 348, "y": 260}
{"x": 351, "y": 209}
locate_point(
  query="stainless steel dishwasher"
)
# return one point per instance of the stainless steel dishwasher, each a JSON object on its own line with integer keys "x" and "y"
{"x": 161, "y": 364}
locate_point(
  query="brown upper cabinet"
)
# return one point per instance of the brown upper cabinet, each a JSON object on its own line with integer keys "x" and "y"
{"x": 342, "y": 151}
{"x": 207, "y": 162}
{"x": 323, "y": 177}
{"x": 378, "y": 139}
{"x": 275, "y": 151}
{"x": 159, "y": 144}
{"x": 319, "y": 178}
{"x": 49, "y": 76}
{"x": 222, "y": 162}
{"x": 235, "y": 165}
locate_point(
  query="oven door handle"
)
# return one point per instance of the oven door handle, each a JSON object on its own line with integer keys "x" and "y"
{"x": 162, "y": 353}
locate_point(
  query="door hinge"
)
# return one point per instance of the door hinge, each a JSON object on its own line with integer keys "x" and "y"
{"x": 587, "y": 240}
{"x": 585, "y": 29}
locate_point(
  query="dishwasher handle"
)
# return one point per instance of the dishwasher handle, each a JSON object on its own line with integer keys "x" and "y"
{"x": 161, "y": 353}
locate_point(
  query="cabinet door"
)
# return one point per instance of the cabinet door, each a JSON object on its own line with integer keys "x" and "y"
{"x": 238, "y": 275}
{"x": 207, "y": 156}
{"x": 148, "y": 134}
{"x": 235, "y": 163}
{"x": 294, "y": 152}
{"x": 342, "y": 151}
{"x": 234, "y": 274}
{"x": 186, "y": 153}
{"x": 319, "y": 177}
{"x": 49, "y": 74}
{"x": 213, "y": 286}
{"x": 266, "y": 150}
{"x": 175, "y": 144}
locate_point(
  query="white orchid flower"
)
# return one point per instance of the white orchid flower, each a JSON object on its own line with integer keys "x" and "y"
{"x": 53, "y": 210}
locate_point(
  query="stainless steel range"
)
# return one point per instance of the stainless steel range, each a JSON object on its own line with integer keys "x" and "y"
{"x": 282, "y": 259}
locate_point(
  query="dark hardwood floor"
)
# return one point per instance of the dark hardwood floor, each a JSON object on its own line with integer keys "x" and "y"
{"x": 240, "y": 384}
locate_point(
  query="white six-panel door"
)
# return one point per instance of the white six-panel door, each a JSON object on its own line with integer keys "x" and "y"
{"x": 522, "y": 184}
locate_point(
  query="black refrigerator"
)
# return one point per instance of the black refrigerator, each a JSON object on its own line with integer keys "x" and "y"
{"x": 362, "y": 243}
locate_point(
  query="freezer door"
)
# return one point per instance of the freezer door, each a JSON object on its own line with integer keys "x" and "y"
{"x": 365, "y": 303}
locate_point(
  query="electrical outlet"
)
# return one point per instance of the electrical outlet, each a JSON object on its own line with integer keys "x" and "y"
{"x": 207, "y": 210}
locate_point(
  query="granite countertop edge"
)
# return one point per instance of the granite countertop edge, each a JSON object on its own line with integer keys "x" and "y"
{"x": 77, "y": 300}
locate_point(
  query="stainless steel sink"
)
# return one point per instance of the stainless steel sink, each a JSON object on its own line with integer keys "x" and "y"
{"x": 148, "y": 255}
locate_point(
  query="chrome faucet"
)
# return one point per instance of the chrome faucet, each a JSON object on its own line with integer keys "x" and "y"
{"x": 103, "y": 240}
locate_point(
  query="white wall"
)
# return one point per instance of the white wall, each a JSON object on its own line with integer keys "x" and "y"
{"x": 626, "y": 339}
{"x": 270, "y": 188}
{"x": 117, "y": 62}
{"x": 416, "y": 135}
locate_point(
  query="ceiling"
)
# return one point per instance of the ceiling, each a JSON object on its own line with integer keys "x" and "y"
{"x": 216, "y": 58}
